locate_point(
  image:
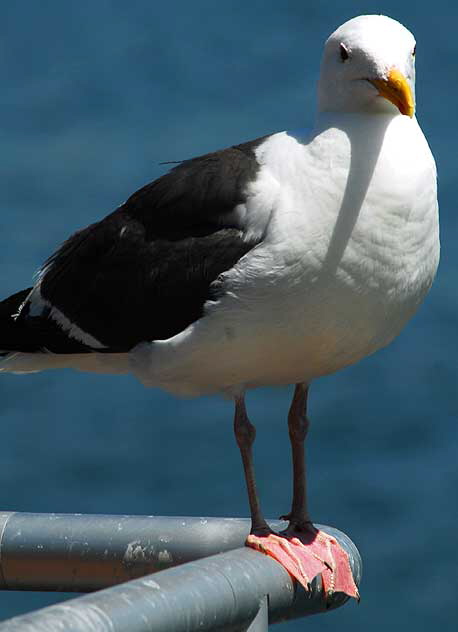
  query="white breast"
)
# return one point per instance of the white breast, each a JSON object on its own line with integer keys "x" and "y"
{"x": 350, "y": 252}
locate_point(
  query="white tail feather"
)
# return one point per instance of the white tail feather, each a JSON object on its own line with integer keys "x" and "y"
{"x": 18, "y": 362}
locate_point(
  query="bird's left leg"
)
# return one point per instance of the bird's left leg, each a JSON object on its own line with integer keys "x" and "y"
{"x": 298, "y": 426}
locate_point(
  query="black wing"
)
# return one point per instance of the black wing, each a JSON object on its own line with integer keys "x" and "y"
{"x": 145, "y": 271}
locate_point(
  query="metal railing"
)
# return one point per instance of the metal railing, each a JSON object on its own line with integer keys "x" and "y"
{"x": 191, "y": 574}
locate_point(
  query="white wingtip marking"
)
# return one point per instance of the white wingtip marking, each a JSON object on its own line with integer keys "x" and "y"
{"x": 38, "y": 304}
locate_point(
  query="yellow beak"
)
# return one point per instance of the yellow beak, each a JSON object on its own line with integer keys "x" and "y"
{"x": 397, "y": 90}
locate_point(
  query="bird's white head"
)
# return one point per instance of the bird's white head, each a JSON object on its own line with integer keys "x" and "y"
{"x": 368, "y": 65}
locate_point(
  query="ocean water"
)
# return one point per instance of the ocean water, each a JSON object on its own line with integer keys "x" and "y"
{"x": 94, "y": 96}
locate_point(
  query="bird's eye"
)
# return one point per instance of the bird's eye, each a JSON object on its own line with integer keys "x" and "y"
{"x": 414, "y": 50}
{"x": 344, "y": 54}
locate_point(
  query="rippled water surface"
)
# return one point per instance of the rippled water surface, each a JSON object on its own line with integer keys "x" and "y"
{"x": 94, "y": 96}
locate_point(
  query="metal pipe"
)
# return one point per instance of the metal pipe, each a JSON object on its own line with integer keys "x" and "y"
{"x": 82, "y": 553}
{"x": 221, "y": 592}
{"x": 261, "y": 621}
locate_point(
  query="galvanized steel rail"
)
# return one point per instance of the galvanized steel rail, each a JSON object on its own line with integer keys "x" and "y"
{"x": 228, "y": 591}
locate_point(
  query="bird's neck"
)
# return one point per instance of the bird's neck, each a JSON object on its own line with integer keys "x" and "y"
{"x": 363, "y": 121}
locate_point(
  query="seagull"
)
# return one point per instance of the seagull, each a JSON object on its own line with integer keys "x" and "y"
{"x": 272, "y": 262}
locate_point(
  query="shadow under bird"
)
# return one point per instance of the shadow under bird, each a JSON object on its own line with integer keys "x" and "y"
{"x": 271, "y": 262}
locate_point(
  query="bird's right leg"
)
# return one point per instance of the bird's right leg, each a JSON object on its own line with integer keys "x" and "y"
{"x": 245, "y": 434}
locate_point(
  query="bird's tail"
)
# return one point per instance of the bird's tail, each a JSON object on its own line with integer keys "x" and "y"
{"x": 19, "y": 345}
{"x": 14, "y": 336}
{"x": 23, "y": 345}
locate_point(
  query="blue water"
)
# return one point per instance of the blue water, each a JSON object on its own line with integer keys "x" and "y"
{"x": 96, "y": 94}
